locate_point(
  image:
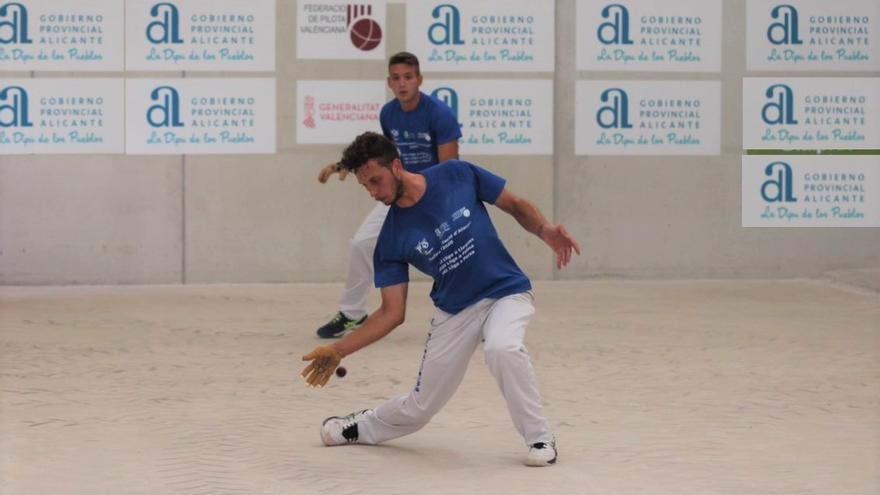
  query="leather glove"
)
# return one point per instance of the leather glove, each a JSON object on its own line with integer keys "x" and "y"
{"x": 329, "y": 170}
{"x": 324, "y": 360}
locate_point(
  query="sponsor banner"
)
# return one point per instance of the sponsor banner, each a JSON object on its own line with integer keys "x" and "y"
{"x": 646, "y": 35}
{"x": 648, "y": 118}
{"x": 200, "y": 116}
{"x": 61, "y": 35}
{"x": 334, "y": 112}
{"x": 50, "y": 116}
{"x": 511, "y": 36}
{"x": 811, "y": 113}
{"x": 333, "y": 29}
{"x": 227, "y": 35}
{"x": 811, "y": 191}
{"x": 811, "y": 35}
{"x": 500, "y": 117}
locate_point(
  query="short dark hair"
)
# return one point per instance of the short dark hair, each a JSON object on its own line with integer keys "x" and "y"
{"x": 366, "y": 147}
{"x": 405, "y": 58}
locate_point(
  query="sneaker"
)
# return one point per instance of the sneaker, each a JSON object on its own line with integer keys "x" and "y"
{"x": 337, "y": 430}
{"x": 338, "y": 326}
{"x": 542, "y": 454}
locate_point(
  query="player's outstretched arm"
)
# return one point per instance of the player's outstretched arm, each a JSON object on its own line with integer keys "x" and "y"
{"x": 329, "y": 170}
{"x": 325, "y": 359}
{"x": 390, "y": 315}
{"x": 530, "y": 217}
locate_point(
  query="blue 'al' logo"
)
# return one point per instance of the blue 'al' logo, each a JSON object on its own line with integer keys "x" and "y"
{"x": 446, "y": 31}
{"x": 784, "y": 31}
{"x": 780, "y": 109}
{"x": 448, "y": 96}
{"x": 779, "y": 188}
{"x": 14, "y": 107}
{"x": 617, "y": 109}
{"x": 166, "y": 27}
{"x": 166, "y": 113}
{"x": 616, "y": 30}
{"x": 15, "y": 17}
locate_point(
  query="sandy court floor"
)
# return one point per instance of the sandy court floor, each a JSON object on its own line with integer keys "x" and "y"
{"x": 662, "y": 387}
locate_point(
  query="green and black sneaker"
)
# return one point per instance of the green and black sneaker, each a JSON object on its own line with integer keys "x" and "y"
{"x": 338, "y": 326}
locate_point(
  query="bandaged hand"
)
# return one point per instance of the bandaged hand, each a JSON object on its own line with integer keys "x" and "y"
{"x": 324, "y": 360}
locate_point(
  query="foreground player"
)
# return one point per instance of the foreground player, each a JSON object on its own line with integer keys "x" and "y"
{"x": 439, "y": 224}
{"x": 426, "y": 132}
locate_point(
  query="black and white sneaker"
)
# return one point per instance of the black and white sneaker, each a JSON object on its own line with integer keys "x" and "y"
{"x": 337, "y": 326}
{"x": 542, "y": 454}
{"x": 337, "y": 430}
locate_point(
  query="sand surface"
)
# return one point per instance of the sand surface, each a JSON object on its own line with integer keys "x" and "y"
{"x": 661, "y": 387}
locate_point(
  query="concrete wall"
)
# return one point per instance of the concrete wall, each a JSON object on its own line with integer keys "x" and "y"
{"x": 208, "y": 219}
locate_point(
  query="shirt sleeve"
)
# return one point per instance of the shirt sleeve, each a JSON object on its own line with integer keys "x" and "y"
{"x": 387, "y": 270}
{"x": 488, "y": 185}
{"x": 389, "y": 273}
{"x": 445, "y": 125}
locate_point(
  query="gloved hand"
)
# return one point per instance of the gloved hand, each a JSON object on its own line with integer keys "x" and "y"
{"x": 329, "y": 170}
{"x": 324, "y": 360}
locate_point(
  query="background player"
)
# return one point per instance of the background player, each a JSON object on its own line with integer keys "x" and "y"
{"x": 426, "y": 132}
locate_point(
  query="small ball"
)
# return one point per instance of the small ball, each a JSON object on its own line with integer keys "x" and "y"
{"x": 366, "y": 34}
{"x": 341, "y": 371}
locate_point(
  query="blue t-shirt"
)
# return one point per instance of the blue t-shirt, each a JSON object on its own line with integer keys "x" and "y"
{"x": 449, "y": 236}
{"x": 419, "y": 132}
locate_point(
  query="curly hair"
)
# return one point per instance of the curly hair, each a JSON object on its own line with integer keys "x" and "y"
{"x": 366, "y": 147}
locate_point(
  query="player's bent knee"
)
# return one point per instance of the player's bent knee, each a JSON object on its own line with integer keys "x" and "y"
{"x": 497, "y": 354}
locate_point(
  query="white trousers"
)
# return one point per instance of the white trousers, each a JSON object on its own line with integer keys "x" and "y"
{"x": 501, "y": 324}
{"x": 359, "y": 280}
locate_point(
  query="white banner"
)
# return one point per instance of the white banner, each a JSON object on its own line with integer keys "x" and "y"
{"x": 646, "y": 35}
{"x": 812, "y": 35}
{"x": 811, "y": 191}
{"x": 334, "y": 112}
{"x": 50, "y": 116}
{"x": 61, "y": 35}
{"x": 811, "y": 113}
{"x": 178, "y": 35}
{"x": 648, "y": 118}
{"x": 332, "y": 29}
{"x": 510, "y": 36}
{"x": 200, "y": 116}
{"x": 500, "y": 117}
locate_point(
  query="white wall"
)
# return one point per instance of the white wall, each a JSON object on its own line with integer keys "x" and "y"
{"x": 80, "y": 219}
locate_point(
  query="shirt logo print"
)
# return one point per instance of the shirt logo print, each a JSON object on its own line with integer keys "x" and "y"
{"x": 442, "y": 229}
{"x": 463, "y": 212}
{"x": 423, "y": 247}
